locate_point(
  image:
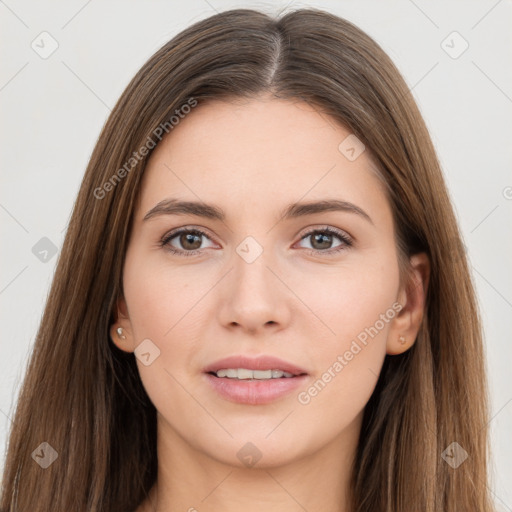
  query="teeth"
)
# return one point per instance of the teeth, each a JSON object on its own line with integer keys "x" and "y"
{"x": 243, "y": 374}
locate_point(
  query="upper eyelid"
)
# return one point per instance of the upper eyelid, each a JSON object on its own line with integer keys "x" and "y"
{"x": 325, "y": 227}
{"x": 185, "y": 229}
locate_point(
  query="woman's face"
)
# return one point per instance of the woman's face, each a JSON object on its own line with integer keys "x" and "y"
{"x": 263, "y": 280}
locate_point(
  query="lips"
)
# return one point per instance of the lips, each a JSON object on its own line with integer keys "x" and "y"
{"x": 259, "y": 363}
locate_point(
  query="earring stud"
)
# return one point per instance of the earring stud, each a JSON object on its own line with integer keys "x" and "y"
{"x": 120, "y": 333}
{"x": 402, "y": 340}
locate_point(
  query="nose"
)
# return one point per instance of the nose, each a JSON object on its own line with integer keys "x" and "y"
{"x": 254, "y": 297}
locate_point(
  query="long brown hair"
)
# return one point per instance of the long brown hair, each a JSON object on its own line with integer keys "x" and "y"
{"x": 83, "y": 396}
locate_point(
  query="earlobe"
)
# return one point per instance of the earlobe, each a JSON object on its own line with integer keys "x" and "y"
{"x": 406, "y": 325}
{"x": 120, "y": 330}
{"x": 398, "y": 345}
{"x": 120, "y": 337}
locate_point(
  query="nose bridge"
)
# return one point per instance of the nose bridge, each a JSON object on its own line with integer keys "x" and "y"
{"x": 252, "y": 261}
{"x": 254, "y": 296}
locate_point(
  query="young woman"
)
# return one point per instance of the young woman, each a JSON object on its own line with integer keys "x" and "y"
{"x": 261, "y": 301}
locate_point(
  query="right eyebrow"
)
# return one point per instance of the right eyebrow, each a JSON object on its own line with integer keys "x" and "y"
{"x": 175, "y": 207}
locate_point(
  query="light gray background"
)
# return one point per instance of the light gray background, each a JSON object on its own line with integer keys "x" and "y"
{"x": 53, "y": 109}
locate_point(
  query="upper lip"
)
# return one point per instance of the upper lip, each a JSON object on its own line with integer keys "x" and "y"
{"x": 258, "y": 363}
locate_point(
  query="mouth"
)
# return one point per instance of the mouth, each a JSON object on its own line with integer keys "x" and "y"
{"x": 262, "y": 367}
{"x": 258, "y": 381}
{"x": 253, "y": 375}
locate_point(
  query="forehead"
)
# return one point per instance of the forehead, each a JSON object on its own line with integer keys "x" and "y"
{"x": 259, "y": 153}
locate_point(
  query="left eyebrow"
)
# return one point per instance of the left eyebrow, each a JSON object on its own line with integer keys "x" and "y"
{"x": 329, "y": 205}
{"x": 294, "y": 210}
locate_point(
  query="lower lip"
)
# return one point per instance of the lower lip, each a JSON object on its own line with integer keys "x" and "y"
{"x": 254, "y": 392}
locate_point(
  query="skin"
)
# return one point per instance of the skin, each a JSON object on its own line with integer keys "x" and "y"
{"x": 252, "y": 158}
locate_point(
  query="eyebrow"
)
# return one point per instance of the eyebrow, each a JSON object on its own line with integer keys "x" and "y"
{"x": 294, "y": 210}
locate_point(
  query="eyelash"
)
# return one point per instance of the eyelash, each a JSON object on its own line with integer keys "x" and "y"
{"x": 347, "y": 242}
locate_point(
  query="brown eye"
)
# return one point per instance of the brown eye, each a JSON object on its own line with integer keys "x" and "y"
{"x": 322, "y": 240}
{"x": 190, "y": 241}
{"x": 187, "y": 242}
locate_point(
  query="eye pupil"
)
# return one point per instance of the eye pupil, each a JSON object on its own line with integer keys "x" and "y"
{"x": 324, "y": 240}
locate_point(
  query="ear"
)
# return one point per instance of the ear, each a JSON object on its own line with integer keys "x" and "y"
{"x": 406, "y": 325}
{"x": 122, "y": 339}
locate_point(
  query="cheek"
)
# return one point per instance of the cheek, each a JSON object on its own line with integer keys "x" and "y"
{"x": 354, "y": 310}
{"x": 166, "y": 305}
{"x": 161, "y": 308}
{"x": 160, "y": 299}
{"x": 350, "y": 299}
